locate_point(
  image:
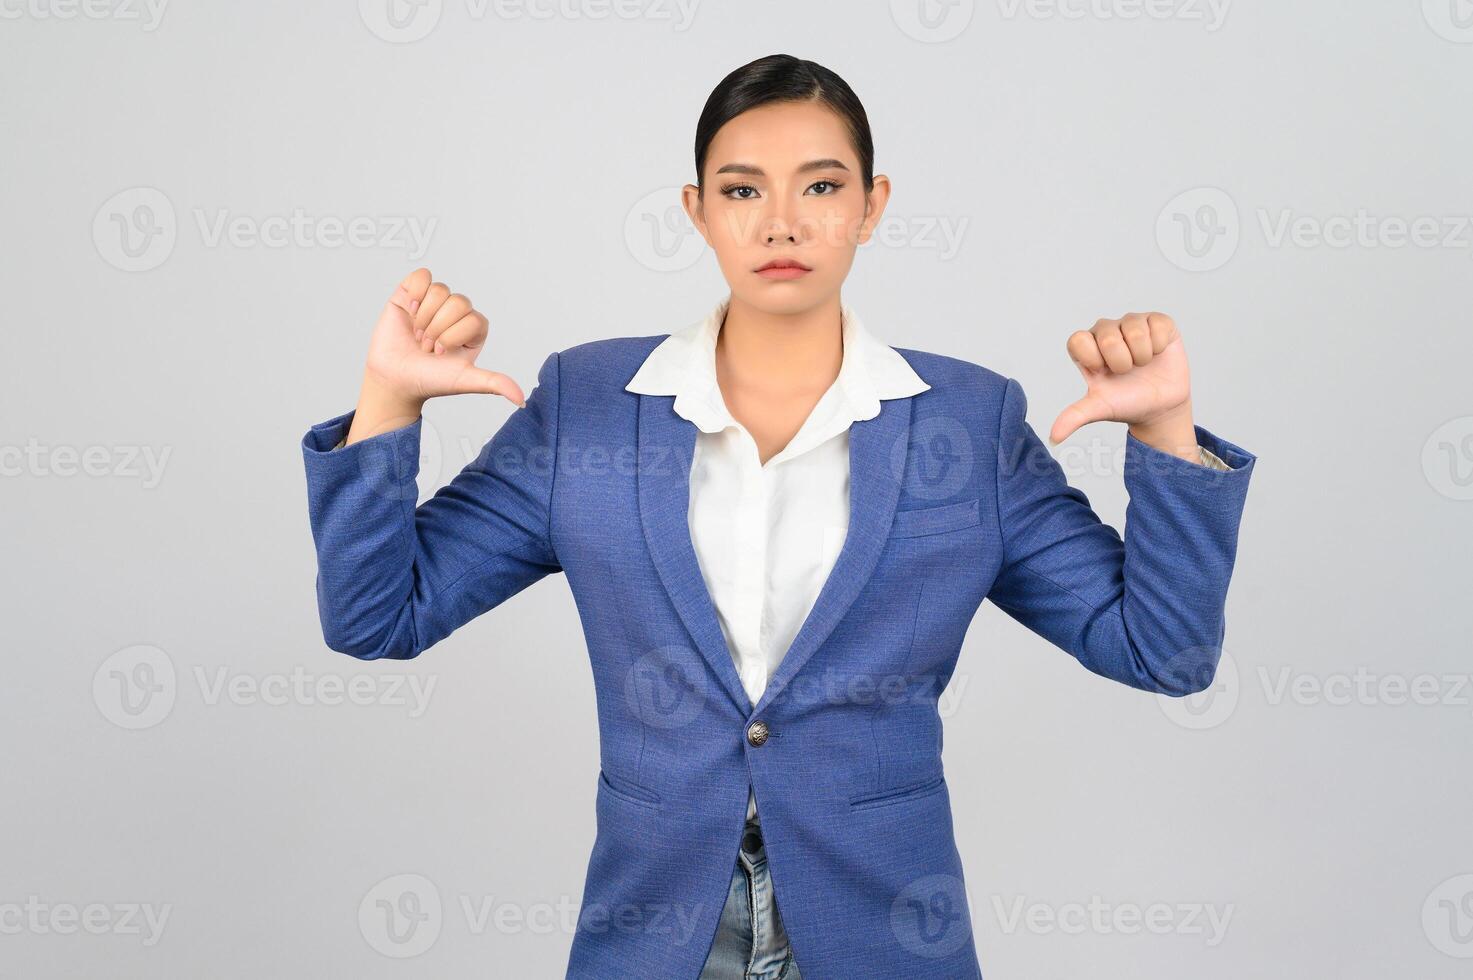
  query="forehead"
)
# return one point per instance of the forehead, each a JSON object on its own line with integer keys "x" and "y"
{"x": 779, "y": 137}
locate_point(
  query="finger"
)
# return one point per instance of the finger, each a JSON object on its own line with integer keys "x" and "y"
{"x": 1085, "y": 351}
{"x": 435, "y": 294}
{"x": 468, "y": 332}
{"x": 1163, "y": 331}
{"x": 411, "y": 290}
{"x": 454, "y": 307}
{"x": 1088, "y": 409}
{"x": 478, "y": 381}
{"x": 1112, "y": 346}
{"x": 1137, "y": 334}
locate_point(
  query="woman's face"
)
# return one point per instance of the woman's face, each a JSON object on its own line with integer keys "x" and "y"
{"x": 782, "y": 182}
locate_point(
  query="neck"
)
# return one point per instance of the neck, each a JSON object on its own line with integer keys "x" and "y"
{"x": 780, "y": 353}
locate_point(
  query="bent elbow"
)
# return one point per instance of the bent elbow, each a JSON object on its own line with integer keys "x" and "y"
{"x": 1191, "y": 672}
{"x": 1185, "y": 687}
{"x": 361, "y": 642}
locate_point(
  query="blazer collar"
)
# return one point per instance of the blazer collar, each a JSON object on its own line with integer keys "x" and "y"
{"x": 684, "y": 365}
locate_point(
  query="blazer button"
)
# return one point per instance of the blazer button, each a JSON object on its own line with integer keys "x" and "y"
{"x": 757, "y": 732}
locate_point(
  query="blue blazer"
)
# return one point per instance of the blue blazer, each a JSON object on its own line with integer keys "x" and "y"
{"x": 954, "y": 499}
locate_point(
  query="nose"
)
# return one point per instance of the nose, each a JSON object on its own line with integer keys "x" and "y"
{"x": 780, "y": 227}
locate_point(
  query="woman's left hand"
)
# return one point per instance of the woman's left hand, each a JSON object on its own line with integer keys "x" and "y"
{"x": 1136, "y": 372}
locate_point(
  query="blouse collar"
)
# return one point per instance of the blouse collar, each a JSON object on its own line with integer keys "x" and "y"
{"x": 684, "y": 365}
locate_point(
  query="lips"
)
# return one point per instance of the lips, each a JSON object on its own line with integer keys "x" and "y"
{"x": 791, "y": 264}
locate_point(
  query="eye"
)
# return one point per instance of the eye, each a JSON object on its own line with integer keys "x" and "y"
{"x": 834, "y": 186}
{"x": 731, "y": 191}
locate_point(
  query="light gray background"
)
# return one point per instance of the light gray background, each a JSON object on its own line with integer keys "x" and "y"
{"x": 1054, "y": 142}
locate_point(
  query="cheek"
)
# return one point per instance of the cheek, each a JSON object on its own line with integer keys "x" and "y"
{"x": 732, "y": 230}
{"x": 833, "y": 227}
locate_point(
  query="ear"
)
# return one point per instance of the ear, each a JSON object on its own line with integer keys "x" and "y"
{"x": 874, "y": 203}
{"x": 690, "y": 199}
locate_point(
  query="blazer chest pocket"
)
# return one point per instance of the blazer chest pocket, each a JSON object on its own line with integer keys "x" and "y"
{"x": 936, "y": 520}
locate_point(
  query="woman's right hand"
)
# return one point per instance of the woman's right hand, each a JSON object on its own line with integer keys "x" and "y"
{"x": 424, "y": 345}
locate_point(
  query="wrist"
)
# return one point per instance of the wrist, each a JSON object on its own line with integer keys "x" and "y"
{"x": 1171, "y": 432}
{"x": 381, "y": 409}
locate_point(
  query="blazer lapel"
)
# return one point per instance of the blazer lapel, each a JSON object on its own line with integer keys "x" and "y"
{"x": 666, "y": 446}
{"x": 877, "y": 455}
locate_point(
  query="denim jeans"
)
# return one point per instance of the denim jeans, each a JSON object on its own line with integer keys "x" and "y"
{"x": 750, "y": 943}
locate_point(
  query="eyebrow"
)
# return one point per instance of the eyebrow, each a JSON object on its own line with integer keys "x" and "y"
{"x": 827, "y": 163}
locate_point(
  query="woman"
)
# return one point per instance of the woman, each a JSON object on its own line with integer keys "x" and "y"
{"x": 776, "y": 529}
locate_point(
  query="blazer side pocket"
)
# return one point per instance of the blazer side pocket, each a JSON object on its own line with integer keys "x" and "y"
{"x": 936, "y": 520}
{"x": 629, "y": 792}
{"x": 900, "y": 794}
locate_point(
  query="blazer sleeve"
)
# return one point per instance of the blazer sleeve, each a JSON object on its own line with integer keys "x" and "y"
{"x": 1147, "y": 611}
{"x": 393, "y": 579}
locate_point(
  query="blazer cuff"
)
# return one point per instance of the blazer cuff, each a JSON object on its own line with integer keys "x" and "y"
{"x": 1214, "y": 451}
{"x": 388, "y": 461}
{"x": 1152, "y": 474}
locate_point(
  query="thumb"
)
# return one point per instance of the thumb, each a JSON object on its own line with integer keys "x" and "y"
{"x": 478, "y": 381}
{"x": 1088, "y": 409}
